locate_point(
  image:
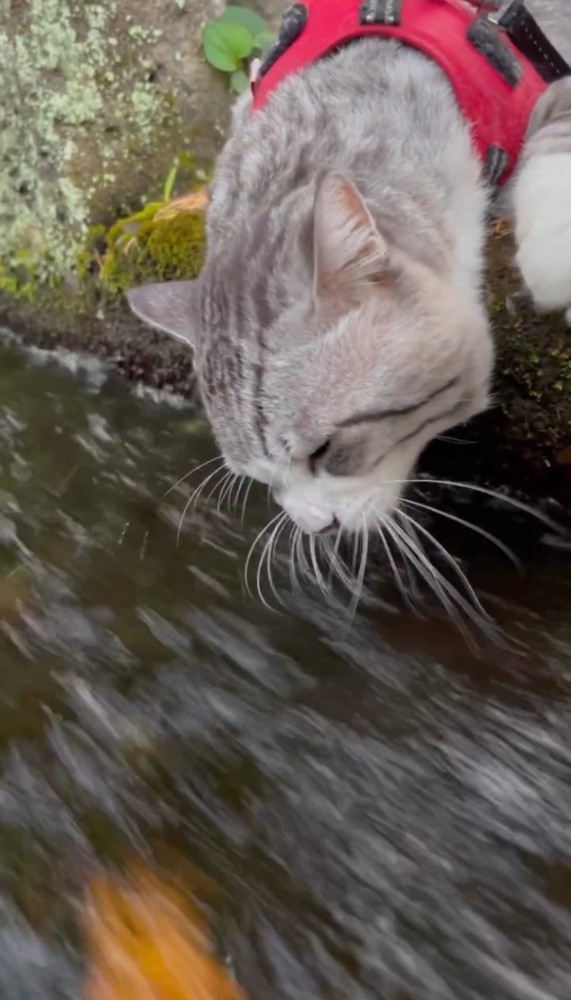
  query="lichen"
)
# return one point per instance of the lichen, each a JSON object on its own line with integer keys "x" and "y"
{"x": 81, "y": 70}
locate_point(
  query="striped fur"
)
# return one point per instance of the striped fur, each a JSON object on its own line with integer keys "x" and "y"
{"x": 328, "y": 385}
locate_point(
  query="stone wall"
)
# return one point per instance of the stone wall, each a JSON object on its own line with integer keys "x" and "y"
{"x": 97, "y": 99}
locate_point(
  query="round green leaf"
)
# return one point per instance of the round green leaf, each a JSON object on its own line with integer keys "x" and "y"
{"x": 239, "y": 82}
{"x": 225, "y": 45}
{"x": 245, "y": 18}
{"x": 264, "y": 40}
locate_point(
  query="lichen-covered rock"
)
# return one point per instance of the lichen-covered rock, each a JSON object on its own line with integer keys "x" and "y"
{"x": 98, "y": 98}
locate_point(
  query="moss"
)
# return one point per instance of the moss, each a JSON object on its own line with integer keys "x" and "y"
{"x": 176, "y": 246}
{"x": 159, "y": 248}
{"x": 533, "y": 365}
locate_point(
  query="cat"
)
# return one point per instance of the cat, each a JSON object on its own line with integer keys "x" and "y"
{"x": 339, "y": 323}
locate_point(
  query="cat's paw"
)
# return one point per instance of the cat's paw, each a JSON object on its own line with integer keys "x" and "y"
{"x": 542, "y": 203}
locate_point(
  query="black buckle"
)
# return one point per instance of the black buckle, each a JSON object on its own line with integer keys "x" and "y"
{"x": 293, "y": 22}
{"x": 380, "y": 12}
{"x": 494, "y": 165}
{"x": 525, "y": 33}
{"x": 487, "y": 40}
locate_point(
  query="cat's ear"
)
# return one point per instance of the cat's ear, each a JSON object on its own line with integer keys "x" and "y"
{"x": 169, "y": 306}
{"x": 349, "y": 251}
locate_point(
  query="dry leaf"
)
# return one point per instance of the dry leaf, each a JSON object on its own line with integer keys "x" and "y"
{"x": 194, "y": 201}
{"x": 145, "y": 942}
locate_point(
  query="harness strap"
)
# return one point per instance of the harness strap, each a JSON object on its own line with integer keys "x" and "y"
{"x": 380, "y": 12}
{"x": 498, "y": 62}
{"x": 528, "y": 37}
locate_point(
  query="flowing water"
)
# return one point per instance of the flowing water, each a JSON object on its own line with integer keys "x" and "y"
{"x": 386, "y": 812}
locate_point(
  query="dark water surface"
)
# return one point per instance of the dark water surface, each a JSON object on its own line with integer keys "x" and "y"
{"x": 386, "y": 813}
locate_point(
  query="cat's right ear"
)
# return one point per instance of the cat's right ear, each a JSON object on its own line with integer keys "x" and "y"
{"x": 170, "y": 306}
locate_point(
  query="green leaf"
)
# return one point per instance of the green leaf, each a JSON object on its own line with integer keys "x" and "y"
{"x": 225, "y": 45}
{"x": 239, "y": 82}
{"x": 245, "y": 18}
{"x": 264, "y": 40}
{"x": 169, "y": 183}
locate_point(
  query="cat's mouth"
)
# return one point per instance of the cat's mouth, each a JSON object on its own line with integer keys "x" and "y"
{"x": 316, "y": 513}
{"x": 314, "y": 520}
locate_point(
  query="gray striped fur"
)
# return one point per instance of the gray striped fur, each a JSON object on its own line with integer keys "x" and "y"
{"x": 366, "y": 153}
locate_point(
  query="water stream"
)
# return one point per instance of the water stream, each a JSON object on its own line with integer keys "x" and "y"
{"x": 385, "y": 810}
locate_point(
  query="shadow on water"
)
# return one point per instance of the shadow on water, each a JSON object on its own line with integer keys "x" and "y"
{"x": 386, "y": 813}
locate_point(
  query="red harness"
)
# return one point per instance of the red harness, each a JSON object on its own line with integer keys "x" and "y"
{"x": 495, "y": 85}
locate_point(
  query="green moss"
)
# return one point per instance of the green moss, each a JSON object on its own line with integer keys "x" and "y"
{"x": 533, "y": 364}
{"x": 153, "y": 248}
{"x": 176, "y": 246}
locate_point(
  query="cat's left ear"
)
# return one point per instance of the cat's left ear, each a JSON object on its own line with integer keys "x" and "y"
{"x": 349, "y": 251}
{"x": 168, "y": 306}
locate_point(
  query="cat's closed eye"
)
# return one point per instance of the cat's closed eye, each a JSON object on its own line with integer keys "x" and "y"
{"x": 319, "y": 453}
{"x": 337, "y": 457}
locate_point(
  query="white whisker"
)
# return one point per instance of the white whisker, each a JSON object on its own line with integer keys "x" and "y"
{"x": 192, "y": 473}
{"x": 428, "y": 572}
{"x": 234, "y": 497}
{"x": 360, "y": 576}
{"x": 468, "y": 524}
{"x": 226, "y": 488}
{"x": 295, "y": 535}
{"x": 304, "y": 566}
{"x": 451, "y": 562}
{"x": 452, "y": 440}
{"x": 494, "y": 494}
{"x": 392, "y": 562}
{"x": 252, "y": 549}
{"x": 219, "y": 485}
{"x": 337, "y": 565}
{"x": 319, "y": 578}
{"x": 194, "y": 497}
{"x": 472, "y": 608}
{"x": 245, "y": 502}
{"x": 269, "y": 552}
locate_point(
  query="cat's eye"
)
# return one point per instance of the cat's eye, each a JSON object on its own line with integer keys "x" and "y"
{"x": 319, "y": 452}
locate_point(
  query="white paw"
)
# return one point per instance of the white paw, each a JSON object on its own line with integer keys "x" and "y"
{"x": 542, "y": 203}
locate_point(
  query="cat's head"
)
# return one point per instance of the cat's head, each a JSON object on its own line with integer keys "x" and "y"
{"x": 330, "y": 393}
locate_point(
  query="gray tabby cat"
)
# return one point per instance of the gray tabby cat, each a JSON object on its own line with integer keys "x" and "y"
{"x": 339, "y": 323}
